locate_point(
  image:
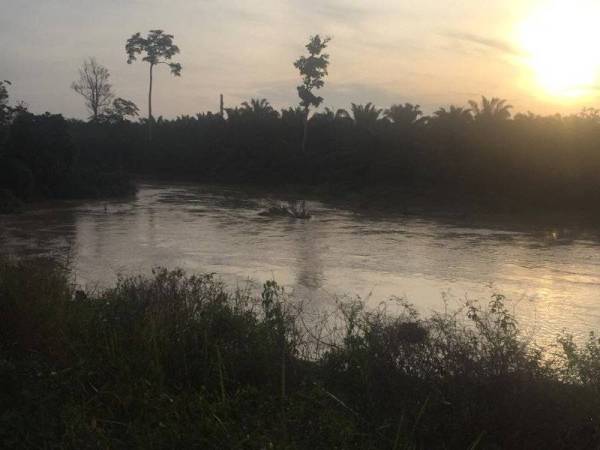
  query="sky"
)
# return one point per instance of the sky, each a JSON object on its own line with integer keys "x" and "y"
{"x": 429, "y": 52}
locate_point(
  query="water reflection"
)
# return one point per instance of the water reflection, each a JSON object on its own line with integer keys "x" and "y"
{"x": 552, "y": 272}
{"x": 309, "y": 272}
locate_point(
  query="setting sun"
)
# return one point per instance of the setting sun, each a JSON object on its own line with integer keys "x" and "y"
{"x": 560, "y": 41}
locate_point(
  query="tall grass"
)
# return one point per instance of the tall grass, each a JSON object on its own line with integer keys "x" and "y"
{"x": 176, "y": 361}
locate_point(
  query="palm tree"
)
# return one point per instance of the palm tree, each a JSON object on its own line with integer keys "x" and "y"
{"x": 293, "y": 117}
{"x": 234, "y": 113}
{"x": 454, "y": 115}
{"x": 329, "y": 115}
{"x": 491, "y": 109}
{"x": 365, "y": 115}
{"x": 407, "y": 114}
{"x": 342, "y": 114}
{"x": 260, "y": 108}
{"x": 292, "y": 113}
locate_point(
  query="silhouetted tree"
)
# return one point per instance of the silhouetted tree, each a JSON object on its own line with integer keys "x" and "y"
{"x": 454, "y": 114}
{"x": 120, "y": 110}
{"x": 365, "y": 115}
{"x": 448, "y": 129}
{"x": 4, "y": 110}
{"x": 330, "y": 115}
{"x": 407, "y": 114}
{"x": 491, "y": 109}
{"x": 313, "y": 70}
{"x": 43, "y": 143}
{"x": 292, "y": 114}
{"x": 259, "y": 108}
{"x": 158, "y": 48}
{"x": 94, "y": 87}
{"x": 125, "y": 108}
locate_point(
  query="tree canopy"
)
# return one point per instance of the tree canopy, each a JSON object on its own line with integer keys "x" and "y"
{"x": 94, "y": 86}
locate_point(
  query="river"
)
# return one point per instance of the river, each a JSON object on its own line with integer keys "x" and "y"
{"x": 550, "y": 274}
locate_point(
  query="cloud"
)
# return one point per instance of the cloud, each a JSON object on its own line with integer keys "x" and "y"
{"x": 335, "y": 10}
{"x": 490, "y": 43}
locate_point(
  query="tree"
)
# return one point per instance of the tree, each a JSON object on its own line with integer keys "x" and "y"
{"x": 158, "y": 48}
{"x": 259, "y": 108}
{"x": 94, "y": 87}
{"x": 313, "y": 70}
{"x": 44, "y": 145}
{"x": 365, "y": 115}
{"x": 292, "y": 114}
{"x": 120, "y": 110}
{"x": 450, "y": 127}
{"x": 453, "y": 113}
{"x": 125, "y": 108}
{"x": 490, "y": 109}
{"x": 330, "y": 115}
{"x": 407, "y": 114}
{"x": 452, "y": 118}
{"x": 5, "y": 110}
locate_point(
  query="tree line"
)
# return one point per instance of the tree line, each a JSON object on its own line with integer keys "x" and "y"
{"x": 478, "y": 152}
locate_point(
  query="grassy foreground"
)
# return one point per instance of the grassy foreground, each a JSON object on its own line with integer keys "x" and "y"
{"x": 172, "y": 361}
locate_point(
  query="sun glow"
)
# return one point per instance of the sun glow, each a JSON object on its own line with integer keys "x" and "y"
{"x": 561, "y": 41}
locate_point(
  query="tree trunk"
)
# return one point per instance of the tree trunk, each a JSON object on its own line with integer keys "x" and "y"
{"x": 150, "y": 119}
{"x": 305, "y": 133}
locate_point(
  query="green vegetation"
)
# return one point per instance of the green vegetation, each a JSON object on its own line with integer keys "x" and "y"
{"x": 173, "y": 361}
{"x": 38, "y": 159}
{"x": 313, "y": 70}
{"x": 457, "y": 156}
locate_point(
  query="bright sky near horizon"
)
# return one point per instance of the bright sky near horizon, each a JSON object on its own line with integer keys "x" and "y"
{"x": 541, "y": 55}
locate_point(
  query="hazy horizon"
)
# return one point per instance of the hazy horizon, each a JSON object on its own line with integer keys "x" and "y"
{"x": 432, "y": 53}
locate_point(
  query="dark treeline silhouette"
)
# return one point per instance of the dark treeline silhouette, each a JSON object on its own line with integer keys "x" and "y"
{"x": 479, "y": 152}
{"x": 456, "y": 153}
{"x": 39, "y": 158}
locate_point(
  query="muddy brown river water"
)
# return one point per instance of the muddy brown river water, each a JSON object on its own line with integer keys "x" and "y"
{"x": 551, "y": 274}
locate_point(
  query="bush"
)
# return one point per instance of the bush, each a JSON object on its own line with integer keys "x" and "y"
{"x": 42, "y": 143}
{"x": 172, "y": 361}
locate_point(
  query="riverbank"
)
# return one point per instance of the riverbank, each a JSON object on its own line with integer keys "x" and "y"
{"x": 171, "y": 361}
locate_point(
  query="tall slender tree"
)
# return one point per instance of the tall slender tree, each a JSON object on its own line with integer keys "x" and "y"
{"x": 4, "y": 108}
{"x": 313, "y": 70}
{"x": 158, "y": 48}
{"x": 93, "y": 85}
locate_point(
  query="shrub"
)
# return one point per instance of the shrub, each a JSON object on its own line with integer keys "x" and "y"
{"x": 176, "y": 361}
